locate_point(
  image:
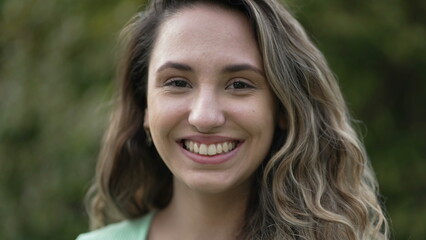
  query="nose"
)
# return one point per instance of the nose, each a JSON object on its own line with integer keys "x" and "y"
{"x": 206, "y": 113}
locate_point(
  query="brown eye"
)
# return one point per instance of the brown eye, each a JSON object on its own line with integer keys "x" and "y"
{"x": 179, "y": 83}
{"x": 240, "y": 85}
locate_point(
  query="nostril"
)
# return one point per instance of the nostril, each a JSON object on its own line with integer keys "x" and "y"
{"x": 206, "y": 112}
{"x": 206, "y": 120}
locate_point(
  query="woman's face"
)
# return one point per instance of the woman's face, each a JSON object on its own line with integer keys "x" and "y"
{"x": 211, "y": 112}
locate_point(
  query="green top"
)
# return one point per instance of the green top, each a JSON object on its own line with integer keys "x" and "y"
{"x": 136, "y": 229}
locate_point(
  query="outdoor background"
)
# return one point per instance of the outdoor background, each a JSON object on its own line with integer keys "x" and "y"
{"x": 57, "y": 66}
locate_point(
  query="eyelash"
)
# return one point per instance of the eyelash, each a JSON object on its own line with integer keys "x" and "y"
{"x": 242, "y": 85}
{"x": 234, "y": 85}
{"x": 177, "y": 83}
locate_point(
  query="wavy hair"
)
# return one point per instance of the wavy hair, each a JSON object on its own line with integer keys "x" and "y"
{"x": 316, "y": 183}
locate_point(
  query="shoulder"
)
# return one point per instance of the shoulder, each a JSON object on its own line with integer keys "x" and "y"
{"x": 136, "y": 229}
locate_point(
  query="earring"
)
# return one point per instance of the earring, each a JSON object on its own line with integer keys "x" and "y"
{"x": 148, "y": 139}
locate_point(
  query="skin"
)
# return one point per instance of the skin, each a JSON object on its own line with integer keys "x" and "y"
{"x": 206, "y": 84}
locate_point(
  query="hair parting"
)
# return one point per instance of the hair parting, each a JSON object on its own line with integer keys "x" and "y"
{"x": 317, "y": 182}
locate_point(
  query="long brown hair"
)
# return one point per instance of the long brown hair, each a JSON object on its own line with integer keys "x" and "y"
{"x": 316, "y": 183}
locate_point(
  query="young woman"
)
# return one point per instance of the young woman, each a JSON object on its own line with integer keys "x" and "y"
{"x": 251, "y": 137}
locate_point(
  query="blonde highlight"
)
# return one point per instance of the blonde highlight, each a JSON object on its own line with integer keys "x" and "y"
{"x": 317, "y": 183}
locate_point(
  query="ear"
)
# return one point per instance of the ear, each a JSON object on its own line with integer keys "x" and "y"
{"x": 146, "y": 119}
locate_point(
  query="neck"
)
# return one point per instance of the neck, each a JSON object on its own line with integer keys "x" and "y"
{"x": 200, "y": 215}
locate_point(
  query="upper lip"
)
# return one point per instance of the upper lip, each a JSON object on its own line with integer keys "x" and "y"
{"x": 209, "y": 139}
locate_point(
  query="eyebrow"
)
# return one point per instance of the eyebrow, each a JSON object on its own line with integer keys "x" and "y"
{"x": 228, "y": 69}
{"x": 242, "y": 67}
{"x": 175, "y": 65}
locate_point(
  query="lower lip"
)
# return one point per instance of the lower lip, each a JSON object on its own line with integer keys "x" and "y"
{"x": 213, "y": 160}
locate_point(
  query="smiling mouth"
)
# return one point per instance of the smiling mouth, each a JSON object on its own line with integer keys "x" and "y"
{"x": 209, "y": 149}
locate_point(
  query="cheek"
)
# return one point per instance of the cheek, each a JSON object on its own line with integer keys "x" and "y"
{"x": 257, "y": 114}
{"x": 164, "y": 114}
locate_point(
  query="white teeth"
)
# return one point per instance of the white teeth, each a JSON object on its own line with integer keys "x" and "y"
{"x": 219, "y": 148}
{"x": 225, "y": 147}
{"x": 203, "y": 149}
{"x": 210, "y": 149}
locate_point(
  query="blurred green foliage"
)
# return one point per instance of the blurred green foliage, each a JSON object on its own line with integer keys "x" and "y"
{"x": 57, "y": 66}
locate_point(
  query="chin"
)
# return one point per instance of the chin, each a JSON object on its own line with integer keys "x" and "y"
{"x": 213, "y": 184}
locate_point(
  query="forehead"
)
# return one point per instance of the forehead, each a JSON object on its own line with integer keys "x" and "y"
{"x": 206, "y": 28}
{"x": 209, "y": 15}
